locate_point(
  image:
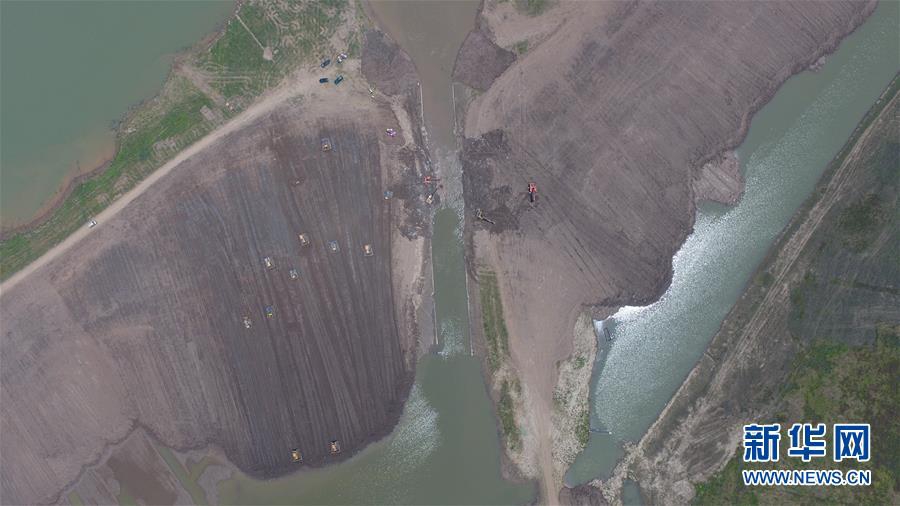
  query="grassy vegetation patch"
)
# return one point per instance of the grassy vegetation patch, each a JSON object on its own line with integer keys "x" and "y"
{"x": 860, "y": 222}
{"x": 831, "y": 383}
{"x": 506, "y": 411}
{"x": 583, "y": 429}
{"x": 799, "y": 293}
{"x": 532, "y": 7}
{"x": 521, "y": 47}
{"x": 495, "y": 332}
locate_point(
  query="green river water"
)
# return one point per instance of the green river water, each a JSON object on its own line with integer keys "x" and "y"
{"x": 69, "y": 70}
{"x": 446, "y": 447}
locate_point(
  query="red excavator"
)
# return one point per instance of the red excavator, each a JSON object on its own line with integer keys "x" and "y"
{"x": 532, "y": 192}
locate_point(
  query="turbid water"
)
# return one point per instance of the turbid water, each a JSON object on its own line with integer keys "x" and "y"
{"x": 69, "y": 70}
{"x": 445, "y": 448}
{"x": 788, "y": 147}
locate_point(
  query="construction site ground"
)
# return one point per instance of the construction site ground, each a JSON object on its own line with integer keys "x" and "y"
{"x": 138, "y": 322}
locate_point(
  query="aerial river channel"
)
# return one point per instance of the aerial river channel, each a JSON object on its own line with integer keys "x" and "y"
{"x": 790, "y": 143}
{"x": 446, "y": 447}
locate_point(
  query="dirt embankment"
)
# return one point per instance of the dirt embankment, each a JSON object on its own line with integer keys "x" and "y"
{"x": 739, "y": 378}
{"x": 139, "y": 323}
{"x": 612, "y": 116}
{"x": 480, "y": 61}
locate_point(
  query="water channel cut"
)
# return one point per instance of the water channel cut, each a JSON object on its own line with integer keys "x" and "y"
{"x": 790, "y": 143}
{"x": 446, "y": 447}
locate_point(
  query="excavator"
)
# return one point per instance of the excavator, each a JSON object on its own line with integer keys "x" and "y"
{"x": 296, "y": 456}
{"x": 334, "y": 446}
{"x": 480, "y": 215}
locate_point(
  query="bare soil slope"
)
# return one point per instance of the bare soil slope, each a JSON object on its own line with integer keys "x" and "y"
{"x": 612, "y": 115}
{"x": 140, "y": 323}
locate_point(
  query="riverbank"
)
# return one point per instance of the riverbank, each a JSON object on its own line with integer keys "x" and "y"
{"x": 699, "y": 430}
{"x": 214, "y": 81}
{"x": 553, "y": 257}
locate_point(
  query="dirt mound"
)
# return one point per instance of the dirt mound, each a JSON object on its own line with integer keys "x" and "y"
{"x": 385, "y": 65}
{"x": 480, "y": 61}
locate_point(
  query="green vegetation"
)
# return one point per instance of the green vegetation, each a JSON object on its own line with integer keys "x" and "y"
{"x": 861, "y": 221}
{"x": 583, "y": 429}
{"x": 832, "y": 378}
{"x": 506, "y": 411}
{"x": 75, "y": 499}
{"x": 495, "y": 334}
{"x": 831, "y": 383}
{"x": 580, "y": 361}
{"x": 532, "y": 7}
{"x": 798, "y": 295}
{"x": 521, "y": 47}
{"x": 181, "y": 114}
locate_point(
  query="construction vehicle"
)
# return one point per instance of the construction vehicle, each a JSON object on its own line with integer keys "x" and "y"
{"x": 294, "y": 274}
{"x": 371, "y": 92}
{"x": 334, "y": 447}
{"x": 326, "y": 144}
{"x": 296, "y": 457}
{"x": 267, "y": 261}
{"x": 247, "y": 322}
{"x": 338, "y": 80}
{"x": 333, "y": 246}
{"x": 480, "y": 215}
{"x": 532, "y": 192}
{"x": 430, "y": 197}
{"x": 388, "y": 194}
{"x": 391, "y": 132}
{"x": 270, "y": 311}
{"x": 368, "y": 251}
{"x": 304, "y": 239}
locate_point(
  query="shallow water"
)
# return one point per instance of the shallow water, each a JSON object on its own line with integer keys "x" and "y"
{"x": 70, "y": 69}
{"x": 790, "y": 143}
